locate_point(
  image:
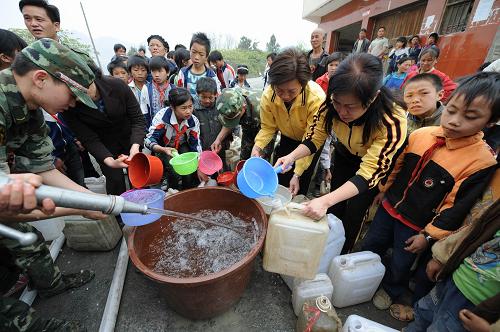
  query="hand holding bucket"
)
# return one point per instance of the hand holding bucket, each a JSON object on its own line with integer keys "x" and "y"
{"x": 144, "y": 170}
{"x": 258, "y": 178}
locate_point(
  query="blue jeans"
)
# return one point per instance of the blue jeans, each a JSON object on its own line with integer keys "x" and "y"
{"x": 438, "y": 310}
{"x": 387, "y": 232}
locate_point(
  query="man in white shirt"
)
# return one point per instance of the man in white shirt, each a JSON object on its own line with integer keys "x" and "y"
{"x": 380, "y": 45}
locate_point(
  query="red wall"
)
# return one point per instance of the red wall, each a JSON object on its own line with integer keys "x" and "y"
{"x": 461, "y": 53}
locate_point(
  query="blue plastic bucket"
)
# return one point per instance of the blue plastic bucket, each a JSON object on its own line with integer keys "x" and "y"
{"x": 258, "y": 178}
{"x": 151, "y": 197}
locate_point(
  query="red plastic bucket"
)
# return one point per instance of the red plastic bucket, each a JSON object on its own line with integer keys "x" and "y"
{"x": 144, "y": 170}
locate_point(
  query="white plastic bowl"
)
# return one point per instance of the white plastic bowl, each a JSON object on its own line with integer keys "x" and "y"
{"x": 282, "y": 197}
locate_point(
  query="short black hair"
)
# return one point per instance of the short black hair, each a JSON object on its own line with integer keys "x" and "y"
{"x": 160, "y": 38}
{"x": 431, "y": 78}
{"x": 179, "y": 46}
{"x": 119, "y": 62}
{"x": 171, "y": 55}
{"x": 181, "y": 55}
{"x": 158, "y": 62}
{"x": 51, "y": 10}
{"x": 137, "y": 60}
{"x": 10, "y": 43}
{"x": 289, "y": 64}
{"x": 206, "y": 84}
{"x": 116, "y": 47}
{"x": 242, "y": 70}
{"x": 363, "y": 29}
{"x": 215, "y": 56}
{"x": 403, "y": 40}
{"x": 22, "y": 65}
{"x": 435, "y": 35}
{"x": 403, "y": 59}
{"x": 178, "y": 96}
{"x": 271, "y": 55}
{"x": 202, "y": 39}
{"x": 433, "y": 51}
{"x": 141, "y": 49}
{"x": 335, "y": 56}
{"x": 483, "y": 84}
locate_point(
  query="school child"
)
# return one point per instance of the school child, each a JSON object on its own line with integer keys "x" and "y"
{"x": 422, "y": 95}
{"x": 428, "y": 59}
{"x": 435, "y": 182}
{"x": 188, "y": 76}
{"x": 396, "y": 78}
{"x": 158, "y": 89}
{"x": 225, "y": 73}
{"x": 466, "y": 265}
{"x": 241, "y": 78}
{"x": 118, "y": 68}
{"x": 331, "y": 62}
{"x": 138, "y": 68}
{"x": 206, "y": 113}
{"x": 175, "y": 128}
{"x": 399, "y": 51}
{"x": 182, "y": 59}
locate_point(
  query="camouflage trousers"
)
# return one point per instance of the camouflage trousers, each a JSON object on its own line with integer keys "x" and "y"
{"x": 34, "y": 260}
{"x": 16, "y": 316}
{"x": 248, "y": 141}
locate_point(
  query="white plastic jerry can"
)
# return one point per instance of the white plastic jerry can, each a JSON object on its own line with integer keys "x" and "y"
{"x": 51, "y": 229}
{"x": 304, "y": 290}
{"x": 294, "y": 243}
{"x": 355, "y": 278}
{"x": 334, "y": 243}
{"x": 92, "y": 235}
{"x": 355, "y": 323}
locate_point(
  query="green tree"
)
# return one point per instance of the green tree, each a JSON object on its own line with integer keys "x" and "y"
{"x": 272, "y": 46}
{"x": 245, "y": 43}
{"x": 132, "y": 51}
{"x": 65, "y": 38}
{"x": 255, "y": 46}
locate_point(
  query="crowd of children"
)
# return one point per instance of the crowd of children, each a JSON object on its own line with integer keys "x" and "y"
{"x": 410, "y": 141}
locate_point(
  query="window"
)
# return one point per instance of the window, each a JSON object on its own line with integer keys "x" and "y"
{"x": 456, "y": 15}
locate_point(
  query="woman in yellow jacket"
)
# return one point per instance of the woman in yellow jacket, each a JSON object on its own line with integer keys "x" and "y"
{"x": 370, "y": 126}
{"x": 290, "y": 105}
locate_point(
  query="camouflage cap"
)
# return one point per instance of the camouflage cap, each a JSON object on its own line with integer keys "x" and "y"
{"x": 64, "y": 64}
{"x": 229, "y": 105}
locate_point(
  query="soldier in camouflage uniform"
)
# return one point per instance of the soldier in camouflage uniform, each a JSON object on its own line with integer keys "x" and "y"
{"x": 50, "y": 75}
{"x": 237, "y": 106}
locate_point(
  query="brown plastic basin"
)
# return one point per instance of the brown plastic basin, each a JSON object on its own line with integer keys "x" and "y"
{"x": 206, "y": 296}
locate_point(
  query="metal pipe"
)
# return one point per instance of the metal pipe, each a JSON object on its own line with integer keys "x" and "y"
{"x": 90, "y": 35}
{"x": 25, "y": 239}
{"x": 55, "y": 247}
{"x": 110, "y": 314}
{"x": 108, "y": 204}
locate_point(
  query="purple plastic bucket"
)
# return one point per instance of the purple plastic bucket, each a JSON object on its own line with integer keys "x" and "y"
{"x": 151, "y": 197}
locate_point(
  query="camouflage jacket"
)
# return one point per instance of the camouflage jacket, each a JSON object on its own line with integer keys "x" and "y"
{"x": 22, "y": 131}
{"x": 251, "y": 119}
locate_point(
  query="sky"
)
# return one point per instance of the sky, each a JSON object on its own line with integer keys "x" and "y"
{"x": 131, "y": 22}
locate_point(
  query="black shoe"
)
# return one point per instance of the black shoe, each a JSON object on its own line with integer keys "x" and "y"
{"x": 72, "y": 280}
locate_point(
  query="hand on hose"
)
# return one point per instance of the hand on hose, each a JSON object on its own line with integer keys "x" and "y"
{"x": 18, "y": 196}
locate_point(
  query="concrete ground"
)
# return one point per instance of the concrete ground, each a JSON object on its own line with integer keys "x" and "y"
{"x": 264, "y": 306}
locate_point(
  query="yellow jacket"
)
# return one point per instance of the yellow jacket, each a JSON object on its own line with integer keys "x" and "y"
{"x": 376, "y": 155}
{"x": 293, "y": 124}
